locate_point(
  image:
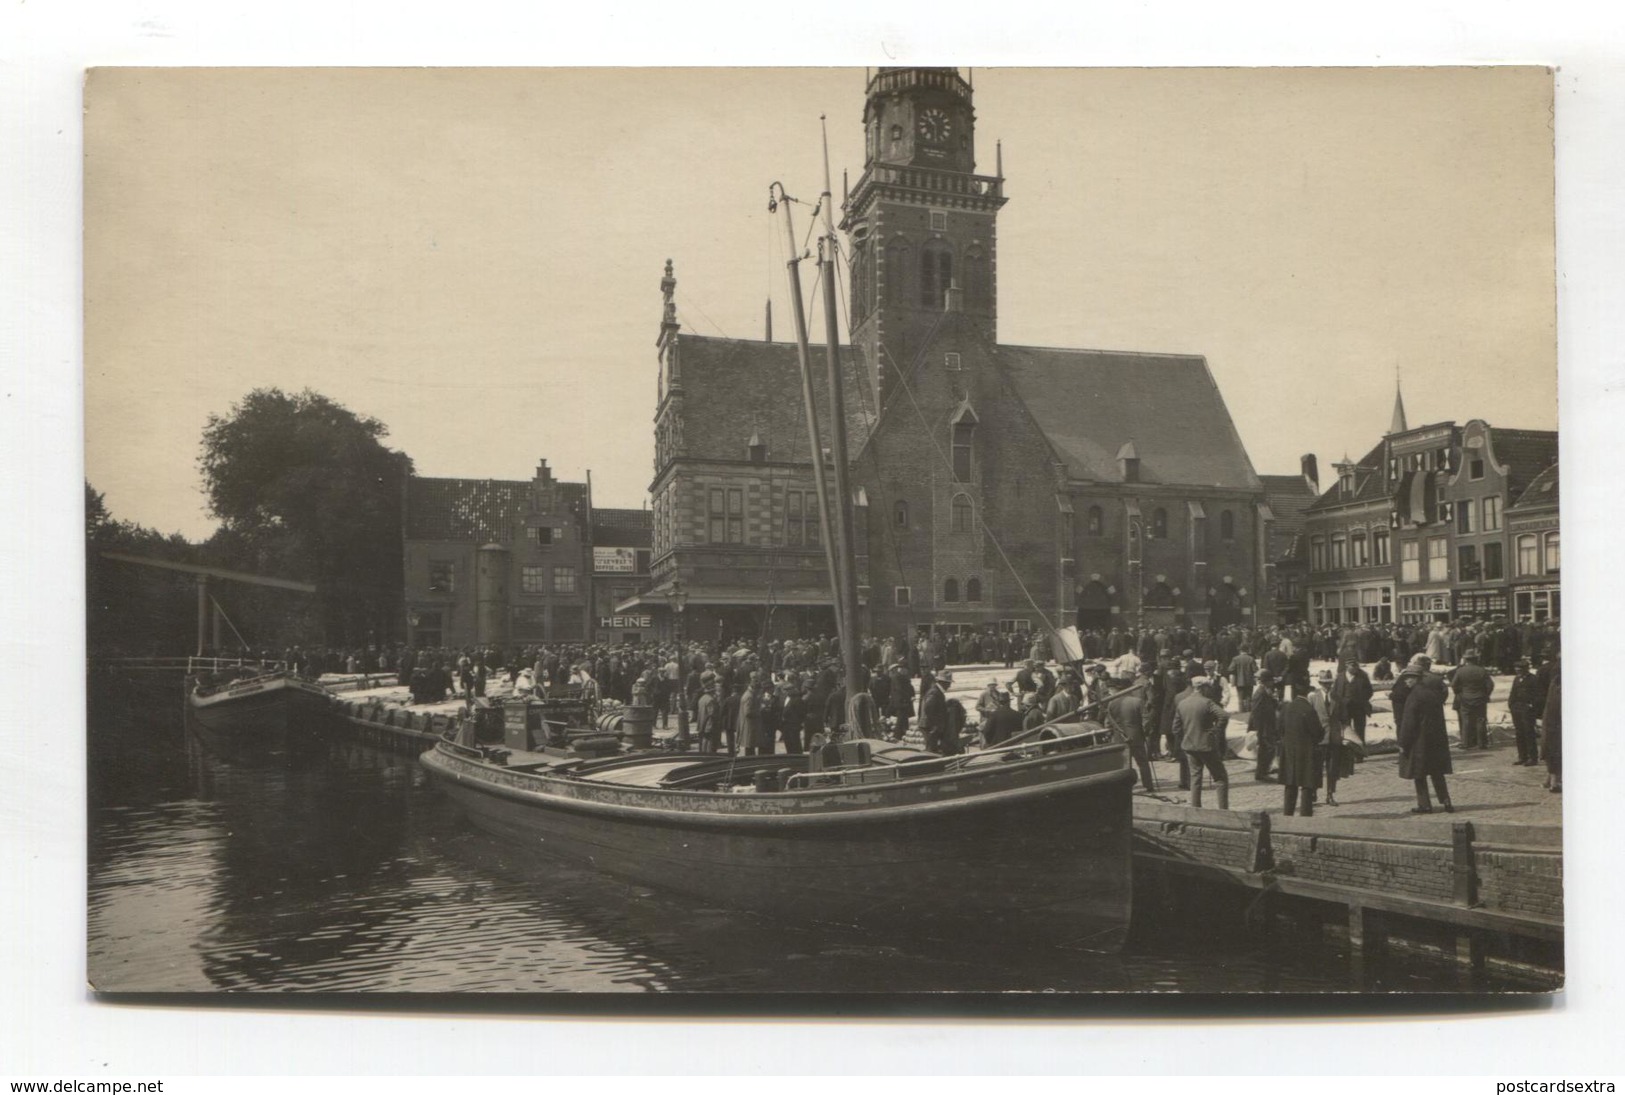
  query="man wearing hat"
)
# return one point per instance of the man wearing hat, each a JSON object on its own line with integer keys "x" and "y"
{"x": 1473, "y": 686}
{"x": 1125, "y": 716}
{"x": 706, "y": 713}
{"x": 1032, "y": 712}
{"x": 1264, "y": 722}
{"x": 1002, "y": 723}
{"x": 1521, "y": 704}
{"x": 934, "y": 714}
{"x": 1331, "y": 721}
{"x": 1199, "y": 727}
{"x": 902, "y": 700}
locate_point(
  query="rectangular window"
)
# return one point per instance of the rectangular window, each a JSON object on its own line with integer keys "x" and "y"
{"x": 1317, "y": 554}
{"x": 1475, "y": 468}
{"x": 540, "y": 535}
{"x": 1553, "y": 556}
{"x": 1340, "y": 552}
{"x": 1467, "y": 563}
{"x": 1528, "y": 554}
{"x": 902, "y": 596}
{"x": 1410, "y": 561}
{"x": 1466, "y": 517}
{"x": 1494, "y": 570}
{"x": 426, "y": 629}
{"x": 801, "y": 518}
{"x": 441, "y": 576}
{"x": 951, "y": 362}
{"x": 533, "y": 579}
{"x": 1381, "y": 554}
{"x": 962, "y": 443}
{"x": 564, "y": 579}
{"x": 1438, "y": 559}
{"x": 736, "y": 515}
{"x": 717, "y": 514}
{"x": 1359, "y": 552}
{"x": 794, "y": 527}
{"x": 939, "y": 221}
{"x": 1492, "y": 514}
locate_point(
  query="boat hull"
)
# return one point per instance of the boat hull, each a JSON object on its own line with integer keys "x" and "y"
{"x": 1035, "y": 851}
{"x": 263, "y": 719}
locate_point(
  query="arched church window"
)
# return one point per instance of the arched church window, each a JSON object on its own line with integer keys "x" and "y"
{"x": 950, "y": 591}
{"x": 936, "y": 273}
{"x": 978, "y": 281}
{"x": 1095, "y": 522}
{"x": 962, "y": 513}
{"x": 900, "y": 514}
{"x": 897, "y": 271}
{"x": 1227, "y": 525}
{"x": 973, "y": 590}
{"x": 1159, "y": 524}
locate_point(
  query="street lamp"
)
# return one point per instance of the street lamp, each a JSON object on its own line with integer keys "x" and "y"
{"x": 677, "y": 598}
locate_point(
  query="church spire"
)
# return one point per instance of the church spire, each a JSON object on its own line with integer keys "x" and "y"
{"x": 1398, "y": 424}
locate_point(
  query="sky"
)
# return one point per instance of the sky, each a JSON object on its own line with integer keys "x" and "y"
{"x": 473, "y": 256}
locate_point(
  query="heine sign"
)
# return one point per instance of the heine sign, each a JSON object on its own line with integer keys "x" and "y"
{"x": 625, "y": 623}
{"x": 614, "y": 560}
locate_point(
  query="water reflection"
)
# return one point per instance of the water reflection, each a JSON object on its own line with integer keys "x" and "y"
{"x": 354, "y": 875}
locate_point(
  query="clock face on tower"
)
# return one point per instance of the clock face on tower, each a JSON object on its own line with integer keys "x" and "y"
{"x": 934, "y": 126}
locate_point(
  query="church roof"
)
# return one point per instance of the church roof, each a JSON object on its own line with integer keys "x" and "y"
{"x": 1093, "y": 403}
{"x": 735, "y": 389}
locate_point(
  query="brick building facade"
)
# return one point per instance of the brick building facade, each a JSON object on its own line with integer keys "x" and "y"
{"x": 499, "y": 561}
{"x": 995, "y": 486}
{"x": 1416, "y": 531}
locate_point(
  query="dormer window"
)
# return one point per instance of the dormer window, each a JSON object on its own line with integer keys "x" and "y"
{"x": 756, "y": 449}
{"x": 1128, "y": 462}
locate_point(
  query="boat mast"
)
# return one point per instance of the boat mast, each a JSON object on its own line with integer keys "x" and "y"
{"x": 778, "y": 198}
{"x": 846, "y": 550}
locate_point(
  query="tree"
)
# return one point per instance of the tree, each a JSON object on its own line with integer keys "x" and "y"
{"x": 305, "y": 488}
{"x": 132, "y": 610}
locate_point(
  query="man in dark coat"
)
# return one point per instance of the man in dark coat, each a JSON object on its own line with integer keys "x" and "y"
{"x": 1243, "y": 673}
{"x": 1264, "y": 722}
{"x": 1473, "y": 686}
{"x": 901, "y": 705}
{"x": 1275, "y": 660}
{"x": 1551, "y": 725}
{"x": 1301, "y": 731}
{"x": 1174, "y": 685}
{"x": 1424, "y": 750}
{"x": 1001, "y": 724}
{"x": 1521, "y": 705}
{"x": 934, "y": 715}
{"x": 1125, "y": 716}
{"x": 1352, "y": 693}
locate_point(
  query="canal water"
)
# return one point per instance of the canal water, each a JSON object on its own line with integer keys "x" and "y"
{"x": 350, "y": 873}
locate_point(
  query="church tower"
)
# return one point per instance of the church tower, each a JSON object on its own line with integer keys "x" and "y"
{"x": 920, "y": 221}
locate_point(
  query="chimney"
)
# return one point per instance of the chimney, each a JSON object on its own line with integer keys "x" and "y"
{"x": 1311, "y": 472}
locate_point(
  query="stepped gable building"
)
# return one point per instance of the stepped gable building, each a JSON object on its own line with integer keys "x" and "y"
{"x": 1532, "y": 527}
{"x": 995, "y": 486}
{"x": 499, "y": 561}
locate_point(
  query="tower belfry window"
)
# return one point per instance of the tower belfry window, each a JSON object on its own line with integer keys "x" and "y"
{"x": 936, "y": 273}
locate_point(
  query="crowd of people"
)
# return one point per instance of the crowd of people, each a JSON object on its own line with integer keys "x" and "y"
{"x": 1165, "y": 691}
